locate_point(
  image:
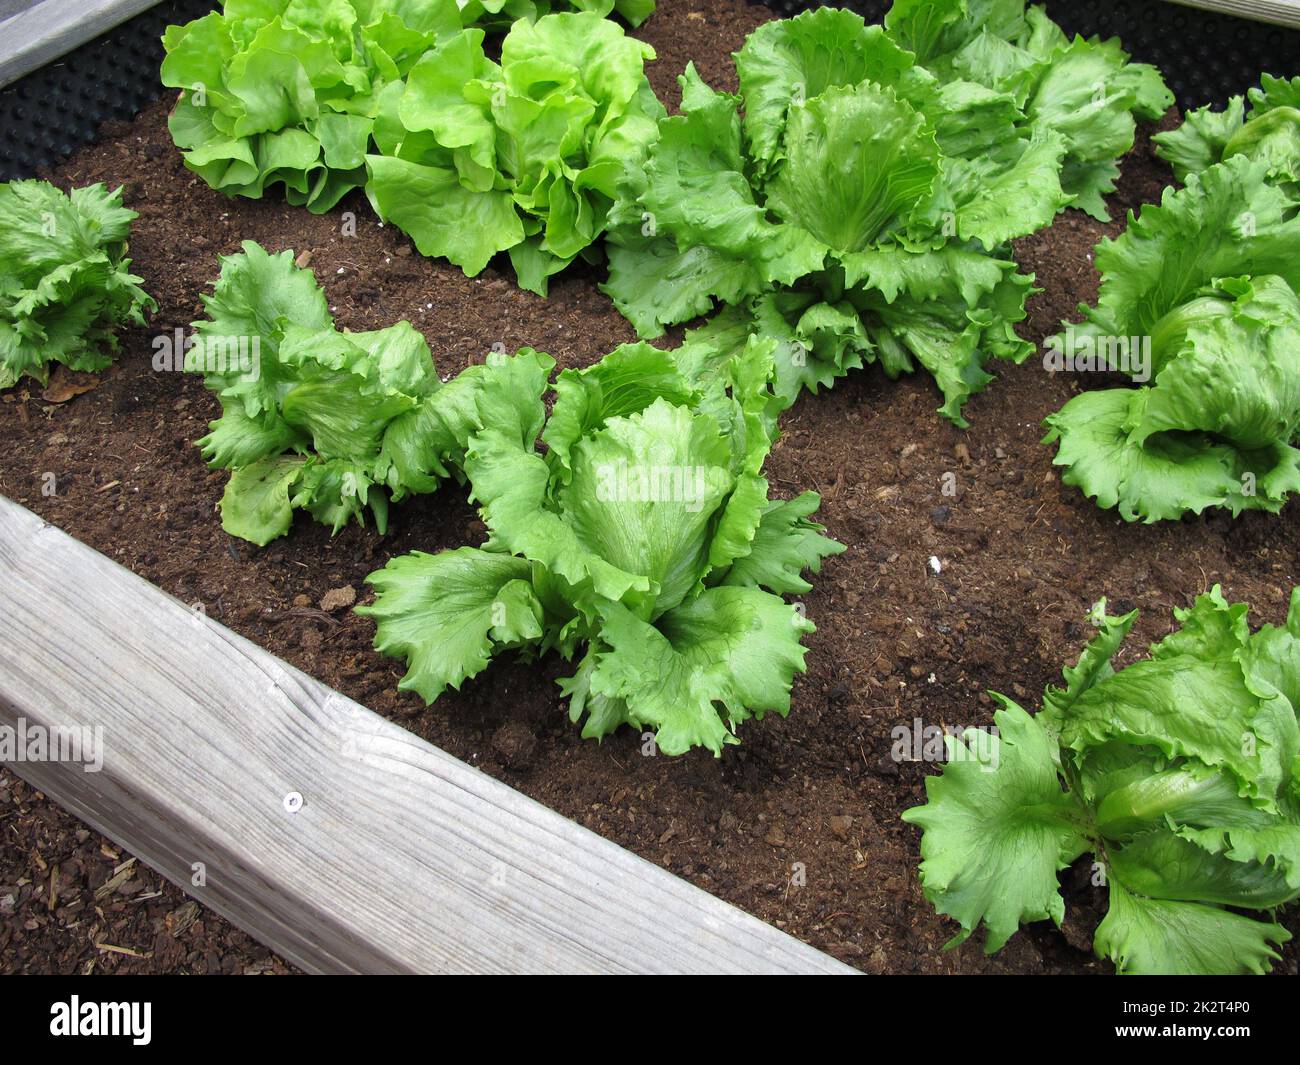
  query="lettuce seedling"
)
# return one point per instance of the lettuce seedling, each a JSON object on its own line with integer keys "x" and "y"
{"x": 1207, "y": 282}
{"x": 331, "y": 422}
{"x": 65, "y": 283}
{"x": 1178, "y": 773}
{"x": 641, "y": 542}
{"x": 525, "y": 156}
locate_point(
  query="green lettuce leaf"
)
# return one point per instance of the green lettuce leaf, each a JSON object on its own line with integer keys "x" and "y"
{"x": 1269, "y": 131}
{"x": 449, "y": 613}
{"x": 1155, "y": 937}
{"x": 644, "y": 540}
{"x": 65, "y": 283}
{"x": 703, "y": 668}
{"x": 477, "y": 157}
{"x": 997, "y": 829}
{"x": 1177, "y": 772}
{"x": 1204, "y": 285}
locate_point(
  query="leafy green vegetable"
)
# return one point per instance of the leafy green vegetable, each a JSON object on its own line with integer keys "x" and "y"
{"x": 1269, "y": 131}
{"x": 1207, "y": 282}
{"x": 287, "y": 91}
{"x": 1179, "y": 773}
{"x": 861, "y": 209}
{"x": 1084, "y": 91}
{"x": 313, "y": 418}
{"x": 65, "y": 281}
{"x": 525, "y": 156}
{"x": 857, "y": 213}
{"x": 642, "y": 541}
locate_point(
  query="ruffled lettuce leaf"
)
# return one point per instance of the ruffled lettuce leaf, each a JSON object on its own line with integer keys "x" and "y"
{"x": 1178, "y": 772}
{"x": 339, "y": 424}
{"x": 449, "y": 613}
{"x": 1157, "y": 937}
{"x": 1089, "y": 94}
{"x": 997, "y": 829}
{"x": 702, "y": 668}
{"x": 1269, "y": 131}
{"x": 1205, "y": 284}
{"x": 477, "y": 157}
{"x": 645, "y": 540}
{"x": 785, "y": 545}
{"x": 65, "y": 283}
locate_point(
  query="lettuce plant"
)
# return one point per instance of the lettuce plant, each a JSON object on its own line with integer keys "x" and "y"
{"x": 642, "y": 542}
{"x": 858, "y": 212}
{"x": 1207, "y": 284}
{"x": 525, "y": 156}
{"x": 1085, "y": 91}
{"x": 861, "y": 209}
{"x": 1178, "y": 773}
{"x": 65, "y": 282}
{"x": 1269, "y": 129}
{"x": 313, "y": 418}
{"x": 286, "y": 92}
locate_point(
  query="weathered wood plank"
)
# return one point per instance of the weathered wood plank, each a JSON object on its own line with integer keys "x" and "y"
{"x": 1279, "y": 12}
{"x": 401, "y": 859}
{"x": 44, "y": 31}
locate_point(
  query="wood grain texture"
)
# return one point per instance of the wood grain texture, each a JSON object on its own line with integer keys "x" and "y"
{"x": 401, "y": 859}
{"x": 49, "y": 29}
{"x": 1279, "y": 12}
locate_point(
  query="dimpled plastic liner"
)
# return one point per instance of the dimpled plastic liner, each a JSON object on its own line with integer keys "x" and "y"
{"x": 53, "y": 111}
{"x": 1205, "y": 58}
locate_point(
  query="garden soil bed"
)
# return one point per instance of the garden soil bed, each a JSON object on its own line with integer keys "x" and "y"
{"x": 1023, "y": 559}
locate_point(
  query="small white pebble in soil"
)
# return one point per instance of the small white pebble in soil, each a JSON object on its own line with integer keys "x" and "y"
{"x": 935, "y": 564}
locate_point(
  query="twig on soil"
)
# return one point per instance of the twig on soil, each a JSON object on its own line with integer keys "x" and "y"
{"x": 113, "y": 949}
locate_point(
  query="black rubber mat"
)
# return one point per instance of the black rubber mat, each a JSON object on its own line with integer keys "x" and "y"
{"x": 51, "y": 112}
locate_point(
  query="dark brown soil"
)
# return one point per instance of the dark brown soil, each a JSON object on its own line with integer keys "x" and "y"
{"x": 1023, "y": 559}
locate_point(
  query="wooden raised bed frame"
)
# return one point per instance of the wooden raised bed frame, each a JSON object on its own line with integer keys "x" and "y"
{"x": 401, "y": 858}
